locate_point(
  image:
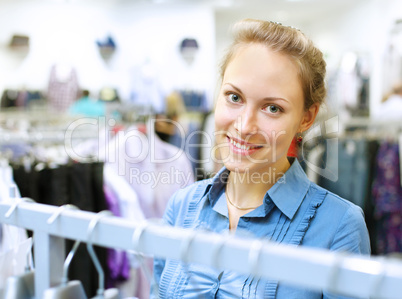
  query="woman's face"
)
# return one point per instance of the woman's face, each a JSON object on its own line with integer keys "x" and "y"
{"x": 259, "y": 110}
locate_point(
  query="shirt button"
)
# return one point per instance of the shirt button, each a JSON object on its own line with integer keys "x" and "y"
{"x": 246, "y": 219}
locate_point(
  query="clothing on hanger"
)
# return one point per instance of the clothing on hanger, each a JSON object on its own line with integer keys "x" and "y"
{"x": 63, "y": 87}
{"x": 80, "y": 184}
{"x": 387, "y": 199}
{"x": 153, "y": 168}
{"x": 13, "y": 264}
{"x": 20, "y": 287}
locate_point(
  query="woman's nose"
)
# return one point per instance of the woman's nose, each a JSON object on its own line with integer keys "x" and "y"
{"x": 246, "y": 122}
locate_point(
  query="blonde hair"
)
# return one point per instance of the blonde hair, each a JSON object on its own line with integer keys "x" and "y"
{"x": 287, "y": 40}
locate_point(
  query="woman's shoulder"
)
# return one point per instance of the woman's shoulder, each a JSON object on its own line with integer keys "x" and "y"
{"x": 336, "y": 203}
{"x": 193, "y": 191}
{"x": 343, "y": 223}
{"x": 184, "y": 201}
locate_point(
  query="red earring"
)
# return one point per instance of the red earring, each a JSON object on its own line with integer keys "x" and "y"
{"x": 299, "y": 138}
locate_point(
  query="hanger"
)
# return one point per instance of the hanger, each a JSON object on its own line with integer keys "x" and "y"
{"x": 15, "y": 233}
{"x": 334, "y": 271}
{"x": 112, "y": 293}
{"x": 185, "y": 251}
{"x": 218, "y": 249}
{"x": 67, "y": 289}
{"x": 138, "y": 232}
{"x": 379, "y": 279}
{"x": 59, "y": 211}
{"x": 254, "y": 255}
{"x": 136, "y": 240}
{"x": 186, "y": 245}
{"x": 17, "y": 201}
{"x": 20, "y": 286}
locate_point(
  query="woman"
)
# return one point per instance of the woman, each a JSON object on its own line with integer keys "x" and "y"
{"x": 272, "y": 88}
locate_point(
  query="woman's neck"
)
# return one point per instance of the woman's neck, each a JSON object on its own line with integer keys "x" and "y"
{"x": 247, "y": 189}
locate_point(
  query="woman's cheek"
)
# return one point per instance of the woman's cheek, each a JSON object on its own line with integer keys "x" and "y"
{"x": 224, "y": 116}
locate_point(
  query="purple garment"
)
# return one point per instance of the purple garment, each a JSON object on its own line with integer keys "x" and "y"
{"x": 117, "y": 260}
{"x": 387, "y": 198}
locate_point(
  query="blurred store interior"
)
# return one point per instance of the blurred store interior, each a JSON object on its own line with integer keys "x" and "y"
{"x": 38, "y": 34}
{"x": 74, "y": 73}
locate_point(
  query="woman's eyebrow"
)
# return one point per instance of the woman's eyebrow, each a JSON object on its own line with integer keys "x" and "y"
{"x": 264, "y": 99}
{"x": 234, "y": 87}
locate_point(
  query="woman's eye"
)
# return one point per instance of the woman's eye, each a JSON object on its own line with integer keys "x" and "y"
{"x": 273, "y": 109}
{"x": 234, "y": 98}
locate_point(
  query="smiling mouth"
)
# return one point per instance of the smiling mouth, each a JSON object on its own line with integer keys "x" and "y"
{"x": 243, "y": 146}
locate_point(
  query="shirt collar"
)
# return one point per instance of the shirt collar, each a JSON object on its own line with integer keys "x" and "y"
{"x": 287, "y": 193}
{"x": 218, "y": 184}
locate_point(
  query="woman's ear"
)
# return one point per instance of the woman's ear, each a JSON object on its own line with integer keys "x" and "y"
{"x": 309, "y": 117}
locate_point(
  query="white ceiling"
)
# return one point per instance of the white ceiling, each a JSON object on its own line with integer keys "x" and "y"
{"x": 298, "y": 11}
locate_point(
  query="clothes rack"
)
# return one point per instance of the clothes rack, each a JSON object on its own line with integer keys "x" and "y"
{"x": 379, "y": 129}
{"x": 383, "y": 128}
{"x": 359, "y": 276}
{"x": 44, "y": 137}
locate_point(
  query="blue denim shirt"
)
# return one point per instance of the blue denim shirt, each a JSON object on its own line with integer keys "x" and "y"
{"x": 295, "y": 211}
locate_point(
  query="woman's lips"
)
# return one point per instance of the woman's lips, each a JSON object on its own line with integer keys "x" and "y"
{"x": 242, "y": 147}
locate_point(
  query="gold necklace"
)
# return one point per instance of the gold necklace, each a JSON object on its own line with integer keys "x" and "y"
{"x": 236, "y": 206}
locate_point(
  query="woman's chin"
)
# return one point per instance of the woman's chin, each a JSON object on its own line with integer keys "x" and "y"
{"x": 238, "y": 167}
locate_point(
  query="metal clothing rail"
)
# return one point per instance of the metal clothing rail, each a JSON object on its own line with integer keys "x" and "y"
{"x": 58, "y": 137}
{"x": 316, "y": 269}
{"x": 367, "y": 122}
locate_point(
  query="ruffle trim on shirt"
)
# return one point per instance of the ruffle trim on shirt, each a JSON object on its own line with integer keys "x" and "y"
{"x": 193, "y": 207}
{"x": 310, "y": 214}
{"x": 271, "y": 286}
{"x": 169, "y": 272}
{"x": 270, "y": 289}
